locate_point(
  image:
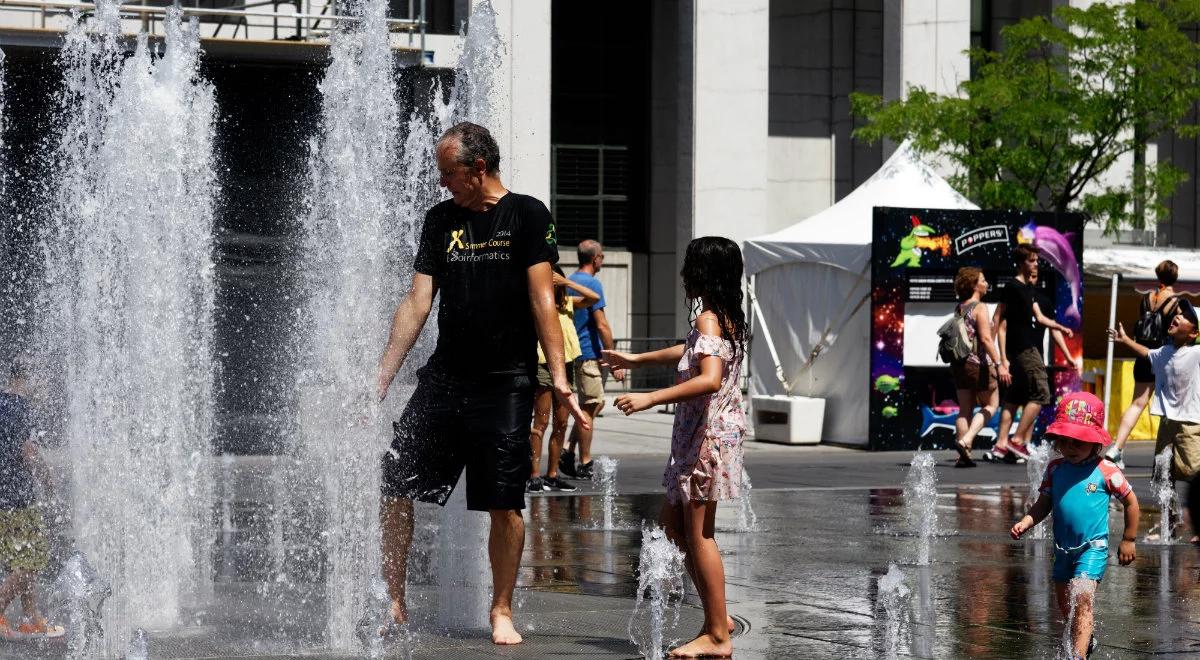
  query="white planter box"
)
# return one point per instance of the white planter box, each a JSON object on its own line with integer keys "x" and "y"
{"x": 792, "y": 420}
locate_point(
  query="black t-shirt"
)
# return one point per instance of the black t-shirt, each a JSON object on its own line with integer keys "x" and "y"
{"x": 1023, "y": 329}
{"x": 16, "y": 480}
{"x": 478, "y": 262}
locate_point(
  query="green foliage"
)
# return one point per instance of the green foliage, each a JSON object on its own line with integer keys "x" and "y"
{"x": 1046, "y": 118}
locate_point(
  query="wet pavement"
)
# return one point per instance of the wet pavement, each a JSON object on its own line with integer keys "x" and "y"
{"x": 802, "y": 572}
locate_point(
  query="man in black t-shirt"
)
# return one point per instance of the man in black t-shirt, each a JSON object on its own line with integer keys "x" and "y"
{"x": 1021, "y": 328}
{"x": 488, "y": 253}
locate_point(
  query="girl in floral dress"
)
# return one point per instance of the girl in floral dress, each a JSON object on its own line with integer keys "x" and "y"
{"x": 706, "y": 443}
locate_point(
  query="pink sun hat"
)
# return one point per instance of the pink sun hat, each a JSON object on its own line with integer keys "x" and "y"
{"x": 1080, "y": 416}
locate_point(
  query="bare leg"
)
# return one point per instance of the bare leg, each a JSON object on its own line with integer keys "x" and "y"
{"x": 582, "y": 437}
{"x": 1083, "y": 624}
{"x": 671, "y": 520}
{"x": 16, "y": 584}
{"x": 1028, "y": 418}
{"x": 506, "y": 539}
{"x": 1006, "y": 420}
{"x": 987, "y": 403}
{"x": 396, "y": 527}
{"x": 1141, "y": 397}
{"x": 541, "y": 419}
{"x": 698, "y": 523}
{"x": 558, "y": 432}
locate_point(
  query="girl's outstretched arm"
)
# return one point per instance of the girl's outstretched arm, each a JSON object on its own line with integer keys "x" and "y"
{"x": 708, "y": 381}
{"x": 1037, "y": 513}
{"x": 619, "y": 360}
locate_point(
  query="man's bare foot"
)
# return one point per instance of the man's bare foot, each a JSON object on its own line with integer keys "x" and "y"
{"x": 503, "y": 631}
{"x": 705, "y": 646}
{"x": 399, "y": 612}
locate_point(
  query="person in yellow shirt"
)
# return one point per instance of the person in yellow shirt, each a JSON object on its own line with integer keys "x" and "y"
{"x": 543, "y": 398}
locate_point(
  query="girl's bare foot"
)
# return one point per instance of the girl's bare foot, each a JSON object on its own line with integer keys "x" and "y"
{"x": 503, "y": 631}
{"x": 729, "y": 622}
{"x": 705, "y": 646}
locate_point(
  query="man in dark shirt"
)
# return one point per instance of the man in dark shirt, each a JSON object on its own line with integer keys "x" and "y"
{"x": 488, "y": 253}
{"x": 1021, "y": 328}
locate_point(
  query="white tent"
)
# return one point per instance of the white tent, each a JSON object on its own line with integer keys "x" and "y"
{"x": 812, "y": 283}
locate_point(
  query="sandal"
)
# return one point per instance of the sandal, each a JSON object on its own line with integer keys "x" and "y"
{"x": 39, "y": 627}
{"x": 964, "y": 462}
{"x": 6, "y": 631}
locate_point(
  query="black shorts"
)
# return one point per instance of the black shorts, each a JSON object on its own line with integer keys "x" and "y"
{"x": 1142, "y": 373}
{"x": 447, "y": 426}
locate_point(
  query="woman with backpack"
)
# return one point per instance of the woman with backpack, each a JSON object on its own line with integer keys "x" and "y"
{"x": 1154, "y": 317}
{"x": 976, "y": 374}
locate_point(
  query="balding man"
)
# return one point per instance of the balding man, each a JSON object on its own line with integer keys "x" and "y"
{"x": 488, "y": 252}
{"x": 594, "y": 335}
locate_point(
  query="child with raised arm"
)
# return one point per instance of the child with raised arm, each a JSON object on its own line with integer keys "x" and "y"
{"x": 1176, "y": 370}
{"x": 1076, "y": 488}
{"x": 706, "y": 442}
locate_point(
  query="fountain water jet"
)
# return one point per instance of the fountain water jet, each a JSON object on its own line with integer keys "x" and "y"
{"x": 659, "y": 592}
{"x": 891, "y": 611}
{"x": 1167, "y": 498}
{"x": 920, "y": 503}
{"x": 126, "y": 313}
{"x": 1035, "y": 471}
{"x": 605, "y": 478}
{"x": 350, "y": 262}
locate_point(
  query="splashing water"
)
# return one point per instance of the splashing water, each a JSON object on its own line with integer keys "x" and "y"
{"x": 139, "y": 646}
{"x": 78, "y": 594}
{"x": 1035, "y": 470}
{"x": 660, "y": 590}
{"x": 891, "y": 612}
{"x": 1078, "y": 587}
{"x": 126, "y": 313}
{"x": 477, "y": 95}
{"x": 920, "y": 503}
{"x": 376, "y": 619}
{"x": 605, "y": 478}
{"x": 351, "y": 265}
{"x": 1168, "y": 500}
{"x": 747, "y": 520}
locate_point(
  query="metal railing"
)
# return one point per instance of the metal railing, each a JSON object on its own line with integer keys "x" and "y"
{"x": 310, "y": 22}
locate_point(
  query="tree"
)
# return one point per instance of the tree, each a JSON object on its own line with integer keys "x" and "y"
{"x": 1047, "y": 116}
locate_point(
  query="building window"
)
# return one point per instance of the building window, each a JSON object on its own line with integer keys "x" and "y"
{"x": 981, "y": 28}
{"x": 589, "y": 193}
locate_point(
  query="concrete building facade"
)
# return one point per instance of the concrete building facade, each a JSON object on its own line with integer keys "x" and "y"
{"x": 645, "y": 124}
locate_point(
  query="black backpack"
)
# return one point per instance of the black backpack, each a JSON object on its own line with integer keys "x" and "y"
{"x": 1151, "y": 326}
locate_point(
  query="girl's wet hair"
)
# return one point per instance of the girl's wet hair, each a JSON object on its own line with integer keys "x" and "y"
{"x": 712, "y": 272}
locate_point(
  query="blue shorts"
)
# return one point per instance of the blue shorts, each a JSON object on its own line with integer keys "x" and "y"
{"x": 1089, "y": 561}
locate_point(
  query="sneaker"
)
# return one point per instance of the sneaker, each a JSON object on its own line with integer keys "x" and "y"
{"x": 554, "y": 483}
{"x": 536, "y": 485}
{"x": 585, "y": 471}
{"x": 1116, "y": 456}
{"x": 566, "y": 464}
{"x": 1091, "y": 647}
{"x": 1019, "y": 451}
{"x": 994, "y": 455}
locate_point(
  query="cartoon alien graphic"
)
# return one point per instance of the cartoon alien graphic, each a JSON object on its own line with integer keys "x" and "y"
{"x": 921, "y": 238}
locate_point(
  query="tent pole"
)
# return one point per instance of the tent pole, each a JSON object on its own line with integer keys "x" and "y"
{"x": 766, "y": 333}
{"x": 1108, "y": 358}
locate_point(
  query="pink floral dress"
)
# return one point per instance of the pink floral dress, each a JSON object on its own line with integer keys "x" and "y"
{"x": 706, "y": 441}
